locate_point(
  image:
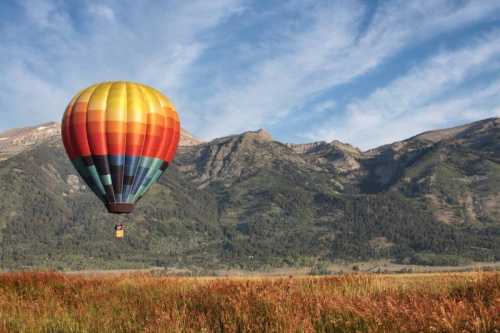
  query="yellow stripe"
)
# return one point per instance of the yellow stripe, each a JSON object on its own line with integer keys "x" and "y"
{"x": 84, "y": 95}
{"x": 99, "y": 97}
{"x": 153, "y": 106}
{"x": 136, "y": 107}
{"x": 116, "y": 109}
{"x": 124, "y": 101}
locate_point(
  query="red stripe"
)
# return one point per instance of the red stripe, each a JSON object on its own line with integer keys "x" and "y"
{"x": 173, "y": 147}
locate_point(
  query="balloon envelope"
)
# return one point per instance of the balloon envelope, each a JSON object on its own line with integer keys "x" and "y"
{"x": 121, "y": 137}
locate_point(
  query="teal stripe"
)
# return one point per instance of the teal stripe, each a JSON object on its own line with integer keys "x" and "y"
{"x": 146, "y": 161}
{"x": 96, "y": 182}
{"x": 90, "y": 176}
{"x": 106, "y": 180}
{"x": 81, "y": 168}
{"x": 153, "y": 180}
{"x": 155, "y": 165}
{"x": 96, "y": 179}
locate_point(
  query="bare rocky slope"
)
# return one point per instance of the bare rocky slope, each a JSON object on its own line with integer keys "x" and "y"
{"x": 250, "y": 201}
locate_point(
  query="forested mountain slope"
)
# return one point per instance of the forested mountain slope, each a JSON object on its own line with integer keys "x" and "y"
{"x": 247, "y": 200}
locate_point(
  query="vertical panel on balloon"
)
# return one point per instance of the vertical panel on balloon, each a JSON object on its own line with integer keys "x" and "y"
{"x": 96, "y": 126}
{"x": 136, "y": 135}
{"x": 116, "y": 135}
{"x": 155, "y": 174}
{"x": 79, "y": 139}
{"x": 152, "y": 139}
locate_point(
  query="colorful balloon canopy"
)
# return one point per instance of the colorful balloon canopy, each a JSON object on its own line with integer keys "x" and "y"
{"x": 121, "y": 137}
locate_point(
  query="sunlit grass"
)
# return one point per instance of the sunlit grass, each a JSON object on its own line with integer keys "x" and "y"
{"x": 52, "y": 302}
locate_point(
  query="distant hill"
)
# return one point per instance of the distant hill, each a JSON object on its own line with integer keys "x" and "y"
{"x": 250, "y": 201}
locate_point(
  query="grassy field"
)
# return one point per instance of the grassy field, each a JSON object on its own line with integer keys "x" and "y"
{"x": 434, "y": 302}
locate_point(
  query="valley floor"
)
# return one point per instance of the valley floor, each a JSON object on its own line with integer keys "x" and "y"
{"x": 143, "y": 302}
{"x": 374, "y": 266}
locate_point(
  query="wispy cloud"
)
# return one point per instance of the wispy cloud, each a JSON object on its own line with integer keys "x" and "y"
{"x": 54, "y": 53}
{"x": 235, "y": 65}
{"x": 411, "y": 103}
{"x": 324, "y": 106}
{"x": 102, "y": 11}
{"x": 276, "y": 85}
{"x": 333, "y": 51}
{"x": 479, "y": 103}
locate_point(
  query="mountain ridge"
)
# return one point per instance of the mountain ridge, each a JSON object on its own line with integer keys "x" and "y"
{"x": 250, "y": 201}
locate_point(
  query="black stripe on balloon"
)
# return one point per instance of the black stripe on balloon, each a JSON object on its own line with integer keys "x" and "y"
{"x": 87, "y": 160}
{"x": 102, "y": 166}
{"x": 128, "y": 180}
{"x": 109, "y": 192}
{"x": 117, "y": 178}
{"x": 164, "y": 166}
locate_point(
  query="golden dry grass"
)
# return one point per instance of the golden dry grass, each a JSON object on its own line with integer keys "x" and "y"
{"x": 52, "y": 302}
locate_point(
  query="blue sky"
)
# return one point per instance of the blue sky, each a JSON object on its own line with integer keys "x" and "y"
{"x": 363, "y": 72}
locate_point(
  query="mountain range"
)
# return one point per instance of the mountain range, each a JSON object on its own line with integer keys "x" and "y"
{"x": 249, "y": 201}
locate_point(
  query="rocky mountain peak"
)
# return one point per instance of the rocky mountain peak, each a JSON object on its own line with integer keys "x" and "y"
{"x": 187, "y": 139}
{"x": 345, "y": 147}
{"x": 322, "y": 146}
{"x": 17, "y": 140}
{"x": 259, "y": 135}
{"x": 307, "y": 148}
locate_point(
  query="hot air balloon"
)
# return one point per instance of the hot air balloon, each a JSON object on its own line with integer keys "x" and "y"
{"x": 120, "y": 137}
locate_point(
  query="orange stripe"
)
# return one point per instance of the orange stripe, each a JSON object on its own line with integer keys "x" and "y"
{"x": 96, "y": 115}
{"x": 175, "y": 143}
{"x": 156, "y": 119}
{"x": 79, "y": 135}
{"x": 136, "y": 128}
{"x": 151, "y": 145}
{"x": 79, "y": 117}
{"x": 95, "y": 128}
{"x": 80, "y": 107}
{"x": 171, "y": 123}
{"x": 124, "y": 127}
{"x": 115, "y": 139}
{"x": 97, "y": 137}
{"x": 134, "y": 150}
{"x": 166, "y": 144}
{"x": 66, "y": 134}
{"x": 86, "y": 131}
{"x": 116, "y": 149}
{"x": 135, "y": 139}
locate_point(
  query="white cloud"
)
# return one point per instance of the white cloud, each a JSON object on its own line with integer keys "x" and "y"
{"x": 477, "y": 104}
{"x": 276, "y": 85}
{"x": 155, "y": 45}
{"x": 34, "y": 99}
{"x": 411, "y": 103}
{"x": 44, "y": 13}
{"x": 324, "y": 107}
{"x": 330, "y": 52}
{"x": 102, "y": 11}
{"x": 164, "y": 45}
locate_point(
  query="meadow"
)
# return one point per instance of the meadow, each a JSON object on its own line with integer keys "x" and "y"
{"x": 434, "y": 302}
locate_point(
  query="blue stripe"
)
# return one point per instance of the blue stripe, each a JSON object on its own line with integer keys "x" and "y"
{"x": 116, "y": 159}
{"x": 126, "y": 192}
{"x": 131, "y": 163}
{"x": 139, "y": 179}
{"x": 145, "y": 170}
